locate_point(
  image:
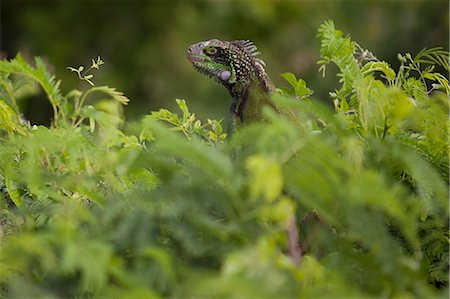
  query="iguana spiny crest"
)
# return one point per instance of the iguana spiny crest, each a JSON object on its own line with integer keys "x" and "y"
{"x": 235, "y": 65}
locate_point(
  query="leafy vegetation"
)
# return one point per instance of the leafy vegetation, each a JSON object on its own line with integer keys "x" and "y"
{"x": 157, "y": 71}
{"x": 93, "y": 207}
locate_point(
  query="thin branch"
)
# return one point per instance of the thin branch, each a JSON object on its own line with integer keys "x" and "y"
{"x": 295, "y": 249}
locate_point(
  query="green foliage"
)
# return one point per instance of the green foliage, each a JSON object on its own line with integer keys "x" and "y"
{"x": 157, "y": 70}
{"x": 35, "y": 75}
{"x": 84, "y": 74}
{"x": 190, "y": 125}
{"x": 299, "y": 88}
{"x": 91, "y": 210}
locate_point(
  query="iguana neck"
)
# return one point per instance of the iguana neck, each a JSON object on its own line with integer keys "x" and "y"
{"x": 251, "y": 93}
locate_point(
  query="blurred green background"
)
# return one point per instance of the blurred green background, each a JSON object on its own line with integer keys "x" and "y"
{"x": 143, "y": 43}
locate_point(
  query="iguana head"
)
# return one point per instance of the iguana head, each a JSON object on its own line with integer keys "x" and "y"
{"x": 228, "y": 62}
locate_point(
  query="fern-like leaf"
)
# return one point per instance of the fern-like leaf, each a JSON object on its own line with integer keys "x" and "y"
{"x": 19, "y": 66}
{"x": 436, "y": 56}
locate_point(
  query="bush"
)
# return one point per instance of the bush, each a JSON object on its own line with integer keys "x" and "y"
{"x": 93, "y": 207}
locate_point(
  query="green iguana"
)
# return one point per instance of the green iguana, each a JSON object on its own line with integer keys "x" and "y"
{"x": 235, "y": 65}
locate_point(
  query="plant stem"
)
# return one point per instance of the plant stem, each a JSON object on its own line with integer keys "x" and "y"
{"x": 295, "y": 249}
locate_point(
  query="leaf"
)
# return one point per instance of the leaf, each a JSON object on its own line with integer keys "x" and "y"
{"x": 436, "y": 56}
{"x": 182, "y": 105}
{"x": 290, "y": 78}
{"x": 91, "y": 124}
{"x": 299, "y": 85}
{"x": 112, "y": 92}
{"x": 339, "y": 50}
{"x": 9, "y": 121}
{"x": 72, "y": 69}
{"x": 343, "y": 105}
{"x": 266, "y": 179}
{"x": 40, "y": 74}
{"x": 440, "y": 79}
{"x": 14, "y": 193}
{"x": 380, "y": 66}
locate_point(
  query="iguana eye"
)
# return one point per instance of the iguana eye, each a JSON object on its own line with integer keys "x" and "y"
{"x": 210, "y": 51}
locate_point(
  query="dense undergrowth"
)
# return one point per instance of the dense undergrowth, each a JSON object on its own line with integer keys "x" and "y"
{"x": 168, "y": 207}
